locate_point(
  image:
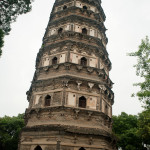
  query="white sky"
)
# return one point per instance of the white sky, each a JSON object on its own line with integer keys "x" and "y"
{"x": 128, "y": 21}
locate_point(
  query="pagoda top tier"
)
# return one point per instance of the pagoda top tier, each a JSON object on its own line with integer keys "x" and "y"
{"x": 85, "y": 4}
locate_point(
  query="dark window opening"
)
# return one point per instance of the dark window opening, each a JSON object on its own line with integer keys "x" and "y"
{"x": 109, "y": 96}
{"x": 65, "y": 7}
{"x": 106, "y": 109}
{"x": 60, "y": 30}
{"x": 83, "y": 61}
{"x": 47, "y": 100}
{"x": 85, "y": 7}
{"x": 82, "y": 102}
{"x": 54, "y": 61}
{"x": 72, "y": 27}
{"x": 38, "y": 148}
{"x": 106, "y": 92}
{"x": 82, "y": 148}
{"x": 84, "y": 31}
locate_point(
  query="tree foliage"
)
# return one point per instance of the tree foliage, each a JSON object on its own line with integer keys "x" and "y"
{"x": 10, "y": 128}
{"x": 144, "y": 126}
{"x": 143, "y": 70}
{"x": 9, "y": 11}
{"x": 125, "y": 128}
{"x": 1, "y": 41}
{"x": 132, "y": 131}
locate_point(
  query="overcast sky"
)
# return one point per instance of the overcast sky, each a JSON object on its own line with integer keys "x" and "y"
{"x": 128, "y": 21}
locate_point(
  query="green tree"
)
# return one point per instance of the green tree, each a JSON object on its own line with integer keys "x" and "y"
{"x": 143, "y": 70}
{"x": 144, "y": 126}
{"x": 9, "y": 11}
{"x": 1, "y": 41}
{"x": 10, "y": 128}
{"x": 125, "y": 127}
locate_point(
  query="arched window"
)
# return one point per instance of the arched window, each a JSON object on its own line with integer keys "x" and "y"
{"x": 84, "y": 31}
{"x": 65, "y": 7}
{"x": 83, "y": 61}
{"x": 109, "y": 96}
{"x": 60, "y": 30}
{"x": 47, "y": 100}
{"x": 54, "y": 61}
{"x": 82, "y": 102}
{"x": 106, "y": 110}
{"x": 82, "y": 148}
{"x": 85, "y": 7}
{"x": 106, "y": 92}
{"x": 38, "y": 148}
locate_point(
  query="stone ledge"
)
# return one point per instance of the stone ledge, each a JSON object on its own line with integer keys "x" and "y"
{"x": 68, "y": 129}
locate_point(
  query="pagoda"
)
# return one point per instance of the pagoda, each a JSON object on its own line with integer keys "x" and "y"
{"x": 70, "y": 98}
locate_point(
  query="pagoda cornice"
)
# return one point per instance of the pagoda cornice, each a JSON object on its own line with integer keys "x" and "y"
{"x": 99, "y": 51}
{"x": 69, "y": 129}
{"x": 68, "y": 108}
{"x": 73, "y": 10}
{"x": 39, "y": 83}
{"x": 70, "y": 78}
{"x": 76, "y": 114}
{"x": 78, "y": 19}
{"x": 101, "y": 74}
{"x": 93, "y": 3}
{"x": 75, "y": 36}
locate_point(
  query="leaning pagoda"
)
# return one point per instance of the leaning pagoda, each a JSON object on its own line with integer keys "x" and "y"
{"x": 70, "y": 98}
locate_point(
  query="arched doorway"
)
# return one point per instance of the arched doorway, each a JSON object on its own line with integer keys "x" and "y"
{"x": 84, "y": 31}
{"x": 82, "y": 102}
{"x": 85, "y": 7}
{"x": 82, "y": 148}
{"x": 54, "y": 61}
{"x": 38, "y": 148}
{"x": 60, "y": 30}
{"x": 65, "y": 7}
{"x": 83, "y": 61}
{"x": 47, "y": 100}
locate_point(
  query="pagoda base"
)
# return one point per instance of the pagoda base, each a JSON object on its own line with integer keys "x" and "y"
{"x": 59, "y": 138}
